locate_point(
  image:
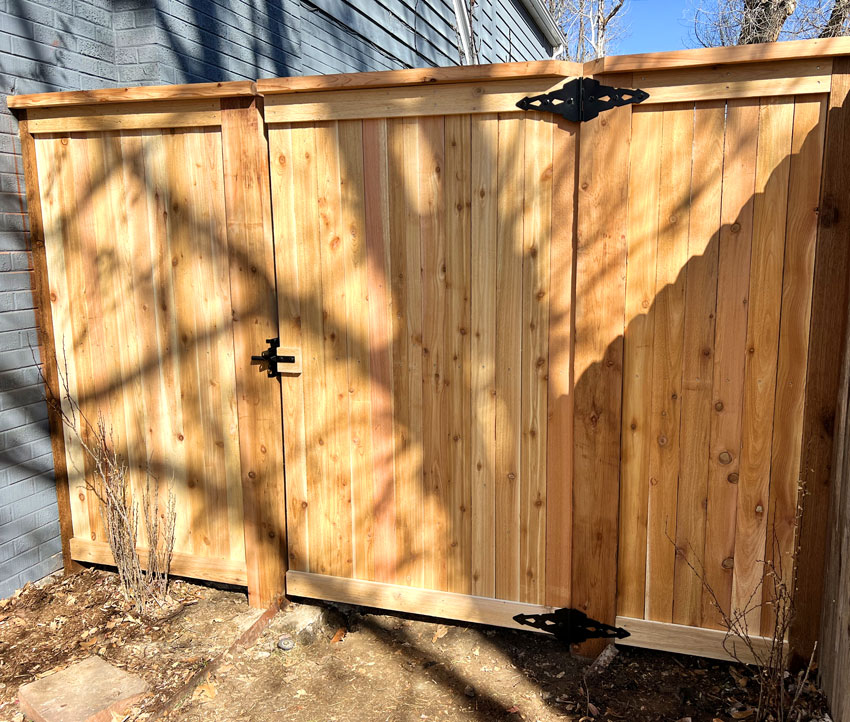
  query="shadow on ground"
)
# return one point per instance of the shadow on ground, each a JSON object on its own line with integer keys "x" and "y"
{"x": 398, "y": 668}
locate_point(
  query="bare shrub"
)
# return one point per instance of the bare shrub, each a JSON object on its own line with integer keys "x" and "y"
{"x": 779, "y": 692}
{"x": 145, "y": 586}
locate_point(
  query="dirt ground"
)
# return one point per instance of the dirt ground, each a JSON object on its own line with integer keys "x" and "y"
{"x": 348, "y": 665}
{"x": 360, "y": 667}
{"x": 48, "y": 627}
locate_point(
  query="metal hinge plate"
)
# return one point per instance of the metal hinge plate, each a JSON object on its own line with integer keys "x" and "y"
{"x": 582, "y": 99}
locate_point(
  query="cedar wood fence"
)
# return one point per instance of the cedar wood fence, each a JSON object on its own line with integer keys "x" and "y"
{"x": 536, "y": 364}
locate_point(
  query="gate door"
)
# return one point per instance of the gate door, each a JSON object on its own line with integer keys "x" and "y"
{"x": 423, "y": 238}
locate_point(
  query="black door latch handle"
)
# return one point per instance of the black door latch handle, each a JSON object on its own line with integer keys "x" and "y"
{"x": 270, "y": 358}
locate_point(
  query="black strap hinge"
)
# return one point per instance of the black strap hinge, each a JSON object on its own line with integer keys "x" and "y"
{"x": 582, "y": 99}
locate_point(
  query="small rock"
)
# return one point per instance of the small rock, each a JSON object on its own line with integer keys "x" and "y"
{"x": 285, "y": 643}
{"x": 469, "y": 690}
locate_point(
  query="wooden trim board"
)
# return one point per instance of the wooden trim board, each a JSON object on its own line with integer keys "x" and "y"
{"x": 194, "y": 91}
{"x": 125, "y": 116}
{"x": 745, "y": 81}
{"x": 682, "y": 639}
{"x": 421, "y": 76}
{"x": 785, "y": 50}
{"x": 398, "y": 598}
{"x": 460, "y": 98}
{"x": 182, "y": 565}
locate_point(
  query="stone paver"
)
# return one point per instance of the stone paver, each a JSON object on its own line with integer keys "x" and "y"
{"x": 88, "y": 691}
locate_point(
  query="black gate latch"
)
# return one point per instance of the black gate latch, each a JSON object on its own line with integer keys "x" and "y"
{"x": 582, "y": 99}
{"x": 270, "y": 358}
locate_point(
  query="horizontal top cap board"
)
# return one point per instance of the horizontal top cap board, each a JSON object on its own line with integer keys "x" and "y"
{"x": 421, "y": 76}
{"x": 700, "y": 57}
{"x": 146, "y": 93}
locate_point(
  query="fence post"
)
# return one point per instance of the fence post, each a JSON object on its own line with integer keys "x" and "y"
{"x": 46, "y": 344}
{"x": 829, "y": 318}
{"x": 253, "y": 291}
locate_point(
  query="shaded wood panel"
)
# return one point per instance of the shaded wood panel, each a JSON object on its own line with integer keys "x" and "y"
{"x": 827, "y": 332}
{"x": 140, "y": 283}
{"x": 419, "y": 291}
{"x": 721, "y": 241}
{"x": 600, "y": 295}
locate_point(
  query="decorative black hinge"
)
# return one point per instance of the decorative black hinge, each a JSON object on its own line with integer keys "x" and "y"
{"x": 269, "y": 359}
{"x": 582, "y": 99}
{"x": 571, "y": 626}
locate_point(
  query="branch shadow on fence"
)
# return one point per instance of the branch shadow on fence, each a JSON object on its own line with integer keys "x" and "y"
{"x": 186, "y": 434}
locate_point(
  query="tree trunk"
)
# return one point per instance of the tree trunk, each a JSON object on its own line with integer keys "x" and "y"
{"x": 837, "y": 19}
{"x": 763, "y": 20}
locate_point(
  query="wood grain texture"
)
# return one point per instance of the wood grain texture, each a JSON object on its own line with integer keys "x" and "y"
{"x": 405, "y": 101}
{"x": 380, "y": 342}
{"x": 285, "y": 192}
{"x": 644, "y": 188}
{"x": 249, "y": 239}
{"x": 184, "y": 565}
{"x": 458, "y": 500}
{"x": 741, "y": 54}
{"x": 769, "y": 213}
{"x": 509, "y": 235}
{"x": 697, "y": 360}
{"x": 562, "y": 285}
{"x": 534, "y": 369}
{"x": 666, "y": 404}
{"x": 800, "y": 238}
{"x": 483, "y": 254}
{"x": 681, "y": 639}
{"x": 734, "y": 243}
{"x": 419, "y": 76}
{"x": 40, "y": 282}
{"x": 739, "y": 81}
{"x": 600, "y": 309}
{"x": 406, "y": 262}
{"x": 829, "y": 321}
{"x": 429, "y": 602}
{"x": 140, "y": 188}
{"x": 436, "y": 380}
{"x": 121, "y": 116}
{"x": 109, "y": 96}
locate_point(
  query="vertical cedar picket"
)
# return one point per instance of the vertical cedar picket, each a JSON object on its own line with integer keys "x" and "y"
{"x": 600, "y": 307}
{"x": 249, "y": 237}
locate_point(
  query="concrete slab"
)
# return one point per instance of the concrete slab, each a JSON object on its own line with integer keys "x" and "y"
{"x": 88, "y": 691}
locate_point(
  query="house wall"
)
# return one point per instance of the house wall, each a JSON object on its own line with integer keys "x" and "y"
{"x": 54, "y": 45}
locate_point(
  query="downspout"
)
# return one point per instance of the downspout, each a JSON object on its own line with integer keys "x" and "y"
{"x": 464, "y": 31}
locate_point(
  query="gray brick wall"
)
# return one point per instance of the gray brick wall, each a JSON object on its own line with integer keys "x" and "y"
{"x": 53, "y": 45}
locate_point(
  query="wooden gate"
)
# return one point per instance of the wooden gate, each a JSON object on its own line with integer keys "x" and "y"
{"x": 533, "y": 364}
{"x": 148, "y": 234}
{"x": 424, "y": 267}
{"x": 506, "y": 323}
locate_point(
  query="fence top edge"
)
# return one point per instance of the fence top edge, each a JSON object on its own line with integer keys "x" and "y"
{"x": 706, "y": 57}
{"x": 420, "y": 76}
{"x": 691, "y": 58}
{"x": 138, "y": 94}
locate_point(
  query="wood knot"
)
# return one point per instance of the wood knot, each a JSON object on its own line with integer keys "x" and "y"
{"x": 725, "y": 458}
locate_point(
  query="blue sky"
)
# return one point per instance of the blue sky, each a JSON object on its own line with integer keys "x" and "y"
{"x": 656, "y": 25}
